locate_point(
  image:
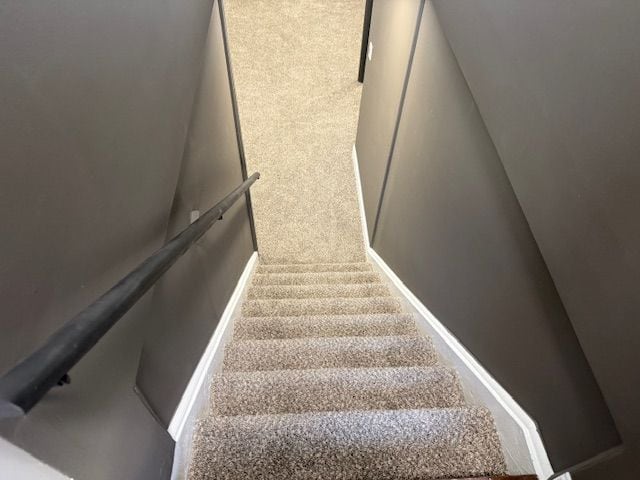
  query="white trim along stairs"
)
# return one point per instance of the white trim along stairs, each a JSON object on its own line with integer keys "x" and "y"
{"x": 339, "y": 371}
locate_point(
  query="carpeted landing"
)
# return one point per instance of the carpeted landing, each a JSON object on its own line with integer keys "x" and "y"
{"x": 326, "y": 378}
{"x": 295, "y": 65}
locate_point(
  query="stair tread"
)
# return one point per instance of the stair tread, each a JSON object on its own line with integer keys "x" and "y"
{"x": 417, "y": 444}
{"x": 385, "y": 324}
{"x": 359, "y": 290}
{"x": 320, "y": 306}
{"x": 297, "y": 391}
{"x": 314, "y": 267}
{"x": 326, "y": 377}
{"x": 311, "y": 278}
{"x": 329, "y": 352}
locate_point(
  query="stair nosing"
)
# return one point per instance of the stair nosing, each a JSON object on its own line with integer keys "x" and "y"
{"x": 310, "y": 371}
{"x": 310, "y": 339}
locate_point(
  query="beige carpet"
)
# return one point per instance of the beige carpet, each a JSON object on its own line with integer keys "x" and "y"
{"x": 326, "y": 378}
{"x": 295, "y": 64}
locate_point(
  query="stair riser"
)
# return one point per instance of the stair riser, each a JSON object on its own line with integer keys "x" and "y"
{"x": 317, "y": 267}
{"x": 315, "y": 278}
{"x": 317, "y": 291}
{"x": 350, "y": 445}
{"x": 323, "y": 326}
{"x": 352, "y": 352}
{"x": 335, "y": 306}
{"x": 300, "y": 391}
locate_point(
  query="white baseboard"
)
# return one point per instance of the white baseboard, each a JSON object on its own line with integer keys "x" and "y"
{"x": 363, "y": 218}
{"x": 202, "y": 371}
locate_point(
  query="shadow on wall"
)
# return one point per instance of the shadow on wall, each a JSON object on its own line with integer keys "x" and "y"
{"x": 451, "y": 226}
{"x": 190, "y": 298}
{"x": 92, "y": 145}
{"x": 556, "y": 83}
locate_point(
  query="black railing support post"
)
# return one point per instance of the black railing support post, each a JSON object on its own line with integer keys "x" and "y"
{"x": 236, "y": 119}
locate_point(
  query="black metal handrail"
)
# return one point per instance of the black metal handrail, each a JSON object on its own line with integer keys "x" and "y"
{"x": 26, "y": 383}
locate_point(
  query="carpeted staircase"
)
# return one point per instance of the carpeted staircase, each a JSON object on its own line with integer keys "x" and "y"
{"x": 327, "y": 378}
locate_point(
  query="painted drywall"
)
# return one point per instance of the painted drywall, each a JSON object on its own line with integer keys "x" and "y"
{"x": 557, "y": 84}
{"x": 96, "y": 100}
{"x": 452, "y": 229}
{"x": 393, "y": 28}
{"x": 189, "y": 300}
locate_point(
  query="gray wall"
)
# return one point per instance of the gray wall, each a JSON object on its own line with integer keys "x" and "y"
{"x": 96, "y": 101}
{"x": 393, "y": 29}
{"x": 451, "y": 227}
{"x": 557, "y": 84}
{"x": 189, "y": 300}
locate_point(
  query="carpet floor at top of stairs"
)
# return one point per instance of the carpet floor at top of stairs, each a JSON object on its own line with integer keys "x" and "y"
{"x": 331, "y": 380}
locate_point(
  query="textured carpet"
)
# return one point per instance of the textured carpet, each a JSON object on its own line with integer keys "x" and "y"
{"x": 325, "y": 376}
{"x": 316, "y": 278}
{"x": 318, "y": 291}
{"x": 319, "y": 383}
{"x": 248, "y": 328}
{"x": 295, "y": 65}
{"x": 382, "y": 444}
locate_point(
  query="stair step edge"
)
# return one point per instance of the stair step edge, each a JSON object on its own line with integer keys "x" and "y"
{"x": 316, "y": 444}
{"x": 329, "y": 352}
{"x": 324, "y": 326}
{"x": 335, "y": 389}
